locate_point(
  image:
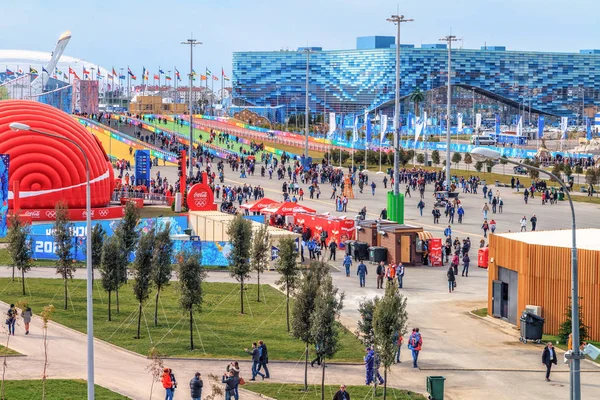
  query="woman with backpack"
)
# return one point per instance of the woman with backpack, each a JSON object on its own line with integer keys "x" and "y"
{"x": 415, "y": 343}
{"x": 451, "y": 279}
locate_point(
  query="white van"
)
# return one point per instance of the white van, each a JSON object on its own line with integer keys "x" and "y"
{"x": 483, "y": 140}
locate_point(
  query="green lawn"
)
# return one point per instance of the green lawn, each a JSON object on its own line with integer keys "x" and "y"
{"x": 295, "y": 392}
{"x": 6, "y": 260}
{"x": 563, "y": 346}
{"x": 56, "y": 389}
{"x": 154, "y": 212}
{"x": 480, "y": 312}
{"x": 219, "y": 330}
{"x": 6, "y": 351}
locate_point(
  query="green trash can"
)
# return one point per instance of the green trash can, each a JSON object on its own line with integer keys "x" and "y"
{"x": 435, "y": 387}
{"x": 561, "y": 196}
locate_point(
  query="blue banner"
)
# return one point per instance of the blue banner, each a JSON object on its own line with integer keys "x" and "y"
{"x": 540, "y": 126}
{"x": 369, "y": 129}
{"x": 588, "y": 128}
{"x": 142, "y": 167}
{"x": 4, "y": 164}
{"x": 497, "y": 124}
{"x": 43, "y": 247}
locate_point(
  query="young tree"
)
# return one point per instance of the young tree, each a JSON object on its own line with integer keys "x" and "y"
{"x": 390, "y": 317}
{"x": 456, "y": 158}
{"x": 435, "y": 157}
{"x": 566, "y": 326}
{"x": 324, "y": 328}
{"x": 19, "y": 247}
{"x": 128, "y": 237}
{"x": 161, "y": 263}
{"x": 63, "y": 240}
{"x": 288, "y": 271}
{"x": 98, "y": 236}
{"x": 260, "y": 254}
{"x": 304, "y": 305}
{"x": 503, "y": 161}
{"x": 533, "y": 174}
{"x": 557, "y": 170}
{"x": 366, "y": 309}
{"x": 489, "y": 164}
{"x": 478, "y": 166}
{"x": 240, "y": 232}
{"x": 191, "y": 275}
{"x": 109, "y": 268}
{"x": 142, "y": 270}
{"x": 421, "y": 158}
{"x": 468, "y": 160}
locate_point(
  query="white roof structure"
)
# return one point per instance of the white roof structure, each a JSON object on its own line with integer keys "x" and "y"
{"x": 588, "y": 239}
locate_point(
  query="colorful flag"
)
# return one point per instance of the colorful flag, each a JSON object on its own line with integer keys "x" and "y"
{"x": 160, "y": 71}
{"x": 225, "y": 77}
{"x": 167, "y": 77}
{"x": 121, "y": 76}
{"x": 99, "y": 73}
{"x": 194, "y": 72}
{"x": 215, "y": 78}
{"x": 129, "y": 72}
{"x": 202, "y": 77}
{"x": 540, "y": 126}
{"x": 114, "y": 73}
{"x": 208, "y": 73}
{"x": 85, "y": 71}
{"x": 9, "y": 72}
{"x": 177, "y": 74}
{"x": 20, "y": 71}
{"x": 156, "y": 77}
{"x": 72, "y": 72}
{"x": 32, "y": 70}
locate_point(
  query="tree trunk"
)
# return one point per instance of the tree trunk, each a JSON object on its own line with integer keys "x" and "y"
{"x": 323, "y": 379}
{"x": 65, "y": 281}
{"x": 191, "y": 330}
{"x": 384, "y": 383}
{"x": 13, "y": 273}
{"x": 258, "y": 282}
{"x": 23, "y": 279}
{"x": 139, "y": 321}
{"x": 287, "y": 307}
{"x": 306, "y": 368}
{"x": 242, "y": 295}
{"x": 156, "y": 307}
{"x": 109, "y": 297}
{"x": 117, "y": 294}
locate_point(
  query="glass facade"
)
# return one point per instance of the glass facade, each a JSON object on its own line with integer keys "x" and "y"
{"x": 347, "y": 81}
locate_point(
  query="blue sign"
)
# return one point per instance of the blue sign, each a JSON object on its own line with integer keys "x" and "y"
{"x": 4, "y": 163}
{"x": 274, "y": 253}
{"x": 142, "y": 167}
{"x": 540, "y": 126}
{"x": 44, "y": 247}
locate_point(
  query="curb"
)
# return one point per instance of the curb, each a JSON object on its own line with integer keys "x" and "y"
{"x": 250, "y": 392}
{"x": 249, "y": 361}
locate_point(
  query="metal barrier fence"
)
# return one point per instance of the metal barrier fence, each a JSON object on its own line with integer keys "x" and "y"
{"x": 149, "y": 198}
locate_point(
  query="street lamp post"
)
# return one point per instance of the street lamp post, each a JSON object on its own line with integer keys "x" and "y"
{"x": 482, "y": 154}
{"x": 448, "y": 39}
{"x": 191, "y": 43}
{"x": 397, "y": 20}
{"x": 16, "y": 126}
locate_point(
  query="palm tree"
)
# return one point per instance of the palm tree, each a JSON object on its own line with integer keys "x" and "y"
{"x": 417, "y": 97}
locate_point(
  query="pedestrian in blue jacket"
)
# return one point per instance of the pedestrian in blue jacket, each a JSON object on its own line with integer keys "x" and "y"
{"x": 361, "y": 271}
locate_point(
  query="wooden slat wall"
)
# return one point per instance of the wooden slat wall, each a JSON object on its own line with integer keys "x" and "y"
{"x": 545, "y": 280}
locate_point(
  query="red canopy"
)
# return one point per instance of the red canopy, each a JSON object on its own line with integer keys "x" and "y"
{"x": 258, "y": 205}
{"x": 287, "y": 208}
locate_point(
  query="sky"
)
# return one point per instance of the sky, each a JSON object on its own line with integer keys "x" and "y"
{"x": 148, "y": 33}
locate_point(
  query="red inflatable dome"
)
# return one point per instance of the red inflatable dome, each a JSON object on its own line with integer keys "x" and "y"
{"x": 50, "y": 169}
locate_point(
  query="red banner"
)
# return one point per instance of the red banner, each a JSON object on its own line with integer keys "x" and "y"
{"x": 201, "y": 197}
{"x": 75, "y": 214}
{"x": 435, "y": 252}
{"x": 338, "y": 229}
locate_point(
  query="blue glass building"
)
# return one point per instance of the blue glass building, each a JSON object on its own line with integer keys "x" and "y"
{"x": 489, "y": 80}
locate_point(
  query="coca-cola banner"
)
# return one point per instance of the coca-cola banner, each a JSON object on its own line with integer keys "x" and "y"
{"x": 75, "y": 214}
{"x": 201, "y": 198}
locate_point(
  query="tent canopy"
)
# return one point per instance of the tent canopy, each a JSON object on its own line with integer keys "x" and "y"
{"x": 287, "y": 208}
{"x": 259, "y": 204}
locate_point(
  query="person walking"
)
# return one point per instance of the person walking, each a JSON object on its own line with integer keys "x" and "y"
{"x": 485, "y": 227}
{"x": 399, "y": 339}
{"x": 500, "y": 205}
{"x": 11, "y": 319}
{"x": 454, "y": 263}
{"x": 460, "y": 212}
{"x": 318, "y": 358}
{"x": 264, "y": 358}
{"x": 369, "y": 365}
{"x": 448, "y": 232}
{"x": 485, "y": 210}
{"x": 373, "y": 186}
{"x": 400, "y": 274}
{"x": 341, "y": 394}
{"x": 380, "y": 275}
{"x": 196, "y": 385}
{"x": 255, "y": 353}
{"x": 168, "y": 384}
{"x": 533, "y": 221}
{"x": 231, "y": 384}
{"x": 27, "y": 314}
{"x": 493, "y": 225}
{"x": 523, "y": 224}
{"x": 421, "y": 206}
{"x": 415, "y": 343}
{"x": 332, "y": 249}
{"x": 362, "y": 273}
{"x": 451, "y": 279}
{"x": 347, "y": 263}
{"x": 466, "y": 260}
{"x": 436, "y": 215}
{"x": 548, "y": 358}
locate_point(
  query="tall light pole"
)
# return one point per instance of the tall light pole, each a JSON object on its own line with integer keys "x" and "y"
{"x": 448, "y": 39}
{"x": 482, "y": 154}
{"x": 191, "y": 43}
{"x": 397, "y": 19}
{"x": 16, "y": 126}
{"x": 306, "y": 111}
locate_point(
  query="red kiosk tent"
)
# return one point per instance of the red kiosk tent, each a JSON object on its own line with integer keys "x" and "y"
{"x": 259, "y": 205}
{"x": 287, "y": 208}
{"x": 338, "y": 229}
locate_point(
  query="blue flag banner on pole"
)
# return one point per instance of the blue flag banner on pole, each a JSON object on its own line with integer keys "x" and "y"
{"x": 540, "y": 126}
{"x": 497, "y": 124}
{"x": 588, "y": 128}
{"x": 369, "y": 129}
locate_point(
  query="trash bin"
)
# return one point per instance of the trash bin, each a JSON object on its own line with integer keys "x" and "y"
{"x": 362, "y": 250}
{"x": 348, "y": 246}
{"x": 482, "y": 257}
{"x": 377, "y": 254}
{"x": 187, "y": 232}
{"x": 532, "y": 327}
{"x": 429, "y": 163}
{"x": 497, "y": 183}
{"x": 561, "y": 196}
{"x": 435, "y": 387}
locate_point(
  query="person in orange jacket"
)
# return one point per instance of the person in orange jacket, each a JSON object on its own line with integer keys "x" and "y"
{"x": 390, "y": 272}
{"x": 168, "y": 383}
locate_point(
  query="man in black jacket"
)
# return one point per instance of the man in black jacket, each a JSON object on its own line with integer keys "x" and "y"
{"x": 255, "y": 361}
{"x": 196, "y": 387}
{"x": 548, "y": 358}
{"x": 231, "y": 383}
{"x": 341, "y": 394}
{"x": 264, "y": 358}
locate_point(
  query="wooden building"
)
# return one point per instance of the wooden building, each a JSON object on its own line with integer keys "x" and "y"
{"x": 534, "y": 268}
{"x": 155, "y": 105}
{"x": 403, "y": 242}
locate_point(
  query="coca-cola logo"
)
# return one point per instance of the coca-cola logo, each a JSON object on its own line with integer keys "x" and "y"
{"x": 33, "y": 214}
{"x": 202, "y": 194}
{"x": 84, "y": 214}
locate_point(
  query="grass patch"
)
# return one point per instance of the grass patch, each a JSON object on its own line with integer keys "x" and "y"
{"x": 5, "y": 351}
{"x": 554, "y": 339}
{"x": 295, "y": 391}
{"x": 219, "y": 331}
{"x": 6, "y": 260}
{"x": 155, "y": 212}
{"x": 56, "y": 389}
{"x": 480, "y": 312}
